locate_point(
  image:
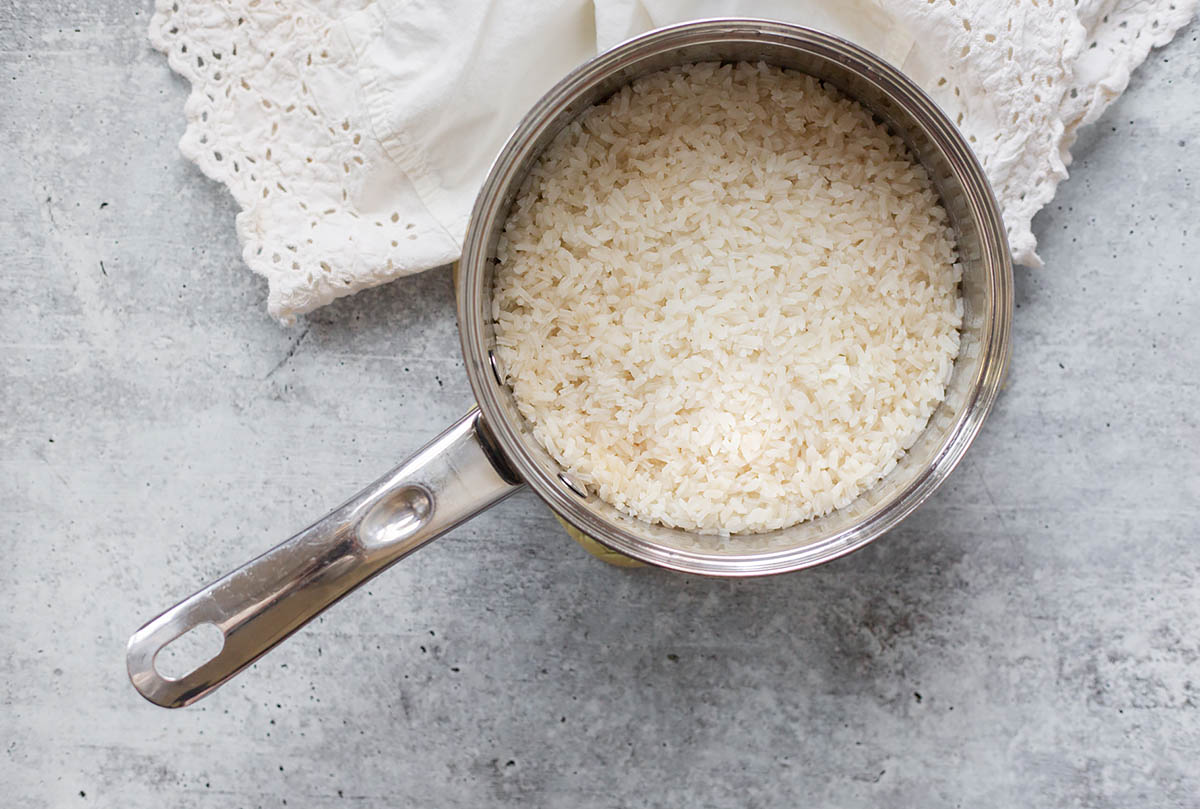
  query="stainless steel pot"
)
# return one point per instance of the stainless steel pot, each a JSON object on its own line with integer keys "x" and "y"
{"x": 490, "y": 453}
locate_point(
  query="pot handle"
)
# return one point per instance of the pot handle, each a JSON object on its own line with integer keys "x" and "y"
{"x": 450, "y": 480}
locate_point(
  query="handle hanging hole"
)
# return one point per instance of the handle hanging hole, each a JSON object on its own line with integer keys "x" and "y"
{"x": 189, "y": 651}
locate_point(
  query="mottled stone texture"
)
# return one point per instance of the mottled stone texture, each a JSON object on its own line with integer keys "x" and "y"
{"x": 1028, "y": 638}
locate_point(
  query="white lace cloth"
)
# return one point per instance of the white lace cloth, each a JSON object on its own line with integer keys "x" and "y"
{"x": 354, "y": 133}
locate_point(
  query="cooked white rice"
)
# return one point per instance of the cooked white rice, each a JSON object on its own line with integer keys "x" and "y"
{"x": 727, "y": 299}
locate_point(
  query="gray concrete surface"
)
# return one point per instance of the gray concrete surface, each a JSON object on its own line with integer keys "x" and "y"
{"x": 1029, "y": 638}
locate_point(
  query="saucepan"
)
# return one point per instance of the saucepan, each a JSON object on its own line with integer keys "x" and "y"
{"x": 490, "y": 453}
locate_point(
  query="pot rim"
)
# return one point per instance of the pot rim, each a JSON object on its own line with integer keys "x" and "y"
{"x": 506, "y": 172}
